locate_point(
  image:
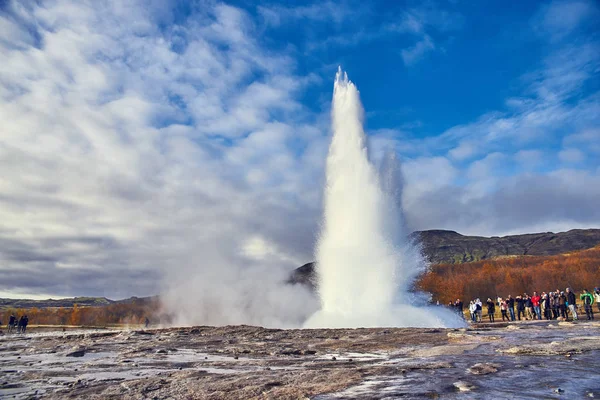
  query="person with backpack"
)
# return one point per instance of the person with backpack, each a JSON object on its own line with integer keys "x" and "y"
{"x": 587, "y": 299}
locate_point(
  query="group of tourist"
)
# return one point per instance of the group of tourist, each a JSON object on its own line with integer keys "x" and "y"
{"x": 17, "y": 325}
{"x": 549, "y": 305}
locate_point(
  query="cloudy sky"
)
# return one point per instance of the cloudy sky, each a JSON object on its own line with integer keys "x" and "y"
{"x": 186, "y": 139}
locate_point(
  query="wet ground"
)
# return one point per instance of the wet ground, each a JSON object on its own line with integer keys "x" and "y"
{"x": 541, "y": 360}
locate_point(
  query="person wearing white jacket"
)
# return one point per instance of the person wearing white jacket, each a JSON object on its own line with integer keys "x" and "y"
{"x": 479, "y": 306}
{"x": 473, "y": 311}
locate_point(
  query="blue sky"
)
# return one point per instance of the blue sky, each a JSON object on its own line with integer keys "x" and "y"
{"x": 140, "y": 137}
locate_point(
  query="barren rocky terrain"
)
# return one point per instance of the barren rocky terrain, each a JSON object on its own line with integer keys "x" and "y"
{"x": 522, "y": 361}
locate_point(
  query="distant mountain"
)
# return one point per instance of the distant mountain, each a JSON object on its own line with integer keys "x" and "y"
{"x": 69, "y": 302}
{"x": 450, "y": 247}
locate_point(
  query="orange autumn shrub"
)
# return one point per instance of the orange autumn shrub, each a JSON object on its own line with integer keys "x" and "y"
{"x": 512, "y": 275}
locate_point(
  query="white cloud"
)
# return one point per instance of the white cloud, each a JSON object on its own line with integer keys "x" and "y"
{"x": 413, "y": 54}
{"x": 131, "y": 154}
{"x": 560, "y": 18}
{"x": 420, "y": 22}
{"x": 588, "y": 139}
{"x": 529, "y": 159}
{"x": 463, "y": 151}
{"x": 571, "y": 156}
{"x": 318, "y": 12}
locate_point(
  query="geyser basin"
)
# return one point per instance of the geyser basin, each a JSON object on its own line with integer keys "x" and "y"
{"x": 365, "y": 261}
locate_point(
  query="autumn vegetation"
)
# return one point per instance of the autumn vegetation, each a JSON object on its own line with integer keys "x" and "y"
{"x": 132, "y": 313}
{"x": 513, "y": 275}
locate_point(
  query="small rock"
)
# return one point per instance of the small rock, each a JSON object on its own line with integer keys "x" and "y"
{"x": 333, "y": 358}
{"x": 463, "y": 386}
{"x": 162, "y": 351}
{"x": 483, "y": 368}
{"x": 76, "y": 353}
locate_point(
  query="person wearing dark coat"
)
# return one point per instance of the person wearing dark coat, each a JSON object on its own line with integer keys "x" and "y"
{"x": 555, "y": 304}
{"x": 511, "y": 307}
{"x": 12, "y": 322}
{"x": 491, "y": 306}
{"x": 547, "y": 306}
{"x": 562, "y": 305}
{"x": 572, "y": 303}
{"x": 520, "y": 307}
{"x": 458, "y": 306}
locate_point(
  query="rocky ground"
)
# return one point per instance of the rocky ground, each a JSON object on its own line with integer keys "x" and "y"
{"x": 523, "y": 361}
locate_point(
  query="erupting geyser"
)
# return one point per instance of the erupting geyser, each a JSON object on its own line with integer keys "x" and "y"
{"x": 365, "y": 262}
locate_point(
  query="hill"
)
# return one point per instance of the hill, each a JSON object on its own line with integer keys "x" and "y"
{"x": 449, "y": 247}
{"x": 70, "y": 302}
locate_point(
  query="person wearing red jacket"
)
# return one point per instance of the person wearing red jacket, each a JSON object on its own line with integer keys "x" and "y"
{"x": 535, "y": 300}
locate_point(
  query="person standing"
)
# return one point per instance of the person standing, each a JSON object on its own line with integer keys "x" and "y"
{"x": 479, "y": 306}
{"x": 458, "y": 305}
{"x": 528, "y": 306}
{"x": 597, "y": 297}
{"x": 562, "y": 305}
{"x": 535, "y": 300}
{"x": 571, "y": 303}
{"x": 491, "y": 309}
{"x": 520, "y": 307}
{"x": 554, "y": 301}
{"x": 504, "y": 310}
{"x": 12, "y": 322}
{"x": 511, "y": 307}
{"x": 546, "y": 306}
{"x": 25, "y": 322}
{"x": 473, "y": 311}
{"x": 587, "y": 299}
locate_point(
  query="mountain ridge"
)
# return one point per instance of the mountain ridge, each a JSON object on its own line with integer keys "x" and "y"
{"x": 71, "y": 301}
{"x": 450, "y": 247}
